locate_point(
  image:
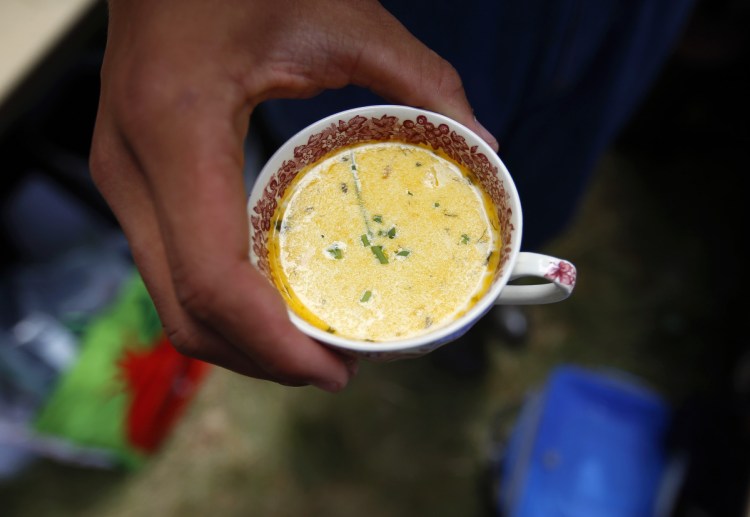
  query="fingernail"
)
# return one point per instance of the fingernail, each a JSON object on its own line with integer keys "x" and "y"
{"x": 487, "y": 136}
{"x": 329, "y": 386}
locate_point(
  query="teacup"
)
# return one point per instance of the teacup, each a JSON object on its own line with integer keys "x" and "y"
{"x": 554, "y": 278}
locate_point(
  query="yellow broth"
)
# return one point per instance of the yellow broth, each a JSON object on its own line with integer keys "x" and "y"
{"x": 383, "y": 241}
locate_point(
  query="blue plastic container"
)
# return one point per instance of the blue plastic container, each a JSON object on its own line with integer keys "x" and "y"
{"x": 589, "y": 444}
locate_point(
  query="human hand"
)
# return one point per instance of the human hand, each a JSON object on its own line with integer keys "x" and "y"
{"x": 180, "y": 80}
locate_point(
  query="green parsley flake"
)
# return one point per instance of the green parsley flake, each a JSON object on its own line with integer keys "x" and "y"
{"x": 379, "y": 254}
{"x": 336, "y": 252}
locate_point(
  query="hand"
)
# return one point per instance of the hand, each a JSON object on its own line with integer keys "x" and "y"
{"x": 179, "y": 81}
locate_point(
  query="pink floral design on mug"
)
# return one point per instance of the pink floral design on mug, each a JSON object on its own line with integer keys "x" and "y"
{"x": 408, "y": 125}
{"x": 563, "y": 272}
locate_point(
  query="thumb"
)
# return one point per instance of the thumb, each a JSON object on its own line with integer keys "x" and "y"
{"x": 400, "y": 68}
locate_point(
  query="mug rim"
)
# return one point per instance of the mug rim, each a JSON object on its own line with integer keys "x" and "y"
{"x": 461, "y": 324}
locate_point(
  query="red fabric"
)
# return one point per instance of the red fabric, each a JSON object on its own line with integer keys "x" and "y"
{"x": 161, "y": 382}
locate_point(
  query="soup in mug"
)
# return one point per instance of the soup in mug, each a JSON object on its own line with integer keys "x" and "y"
{"x": 383, "y": 241}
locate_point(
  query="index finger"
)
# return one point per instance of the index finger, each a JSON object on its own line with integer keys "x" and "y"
{"x": 401, "y": 68}
{"x": 191, "y": 154}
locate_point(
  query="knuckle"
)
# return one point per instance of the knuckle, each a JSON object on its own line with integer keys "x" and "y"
{"x": 97, "y": 164}
{"x": 197, "y": 292}
{"x": 185, "y": 343}
{"x": 448, "y": 80}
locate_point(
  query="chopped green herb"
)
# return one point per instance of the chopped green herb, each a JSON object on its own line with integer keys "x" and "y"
{"x": 365, "y": 240}
{"x": 403, "y": 253}
{"x": 336, "y": 252}
{"x": 377, "y": 218}
{"x": 379, "y": 254}
{"x": 418, "y": 164}
{"x": 436, "y": 205}
{"x": 391, "y": 233}
{"x": 464, "y": 238}
{"x": 366, "y": 296}
{"x": 409, "y": 193}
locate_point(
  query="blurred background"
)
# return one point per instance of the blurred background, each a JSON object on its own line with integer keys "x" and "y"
{"x": 630, "y": 398}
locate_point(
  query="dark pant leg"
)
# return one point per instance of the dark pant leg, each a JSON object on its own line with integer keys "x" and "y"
{"x": 553, "y": 80}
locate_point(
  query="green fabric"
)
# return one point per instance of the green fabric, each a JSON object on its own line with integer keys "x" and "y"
{"x": 89, "y": 405}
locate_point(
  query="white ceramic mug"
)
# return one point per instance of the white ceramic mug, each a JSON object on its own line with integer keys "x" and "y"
{"x": 415, "y": 126}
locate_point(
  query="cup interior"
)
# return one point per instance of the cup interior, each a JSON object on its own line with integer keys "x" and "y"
{"x": 388, "y": 124}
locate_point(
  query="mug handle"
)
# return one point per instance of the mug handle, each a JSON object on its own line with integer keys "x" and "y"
{"x": 561, "y": 276}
